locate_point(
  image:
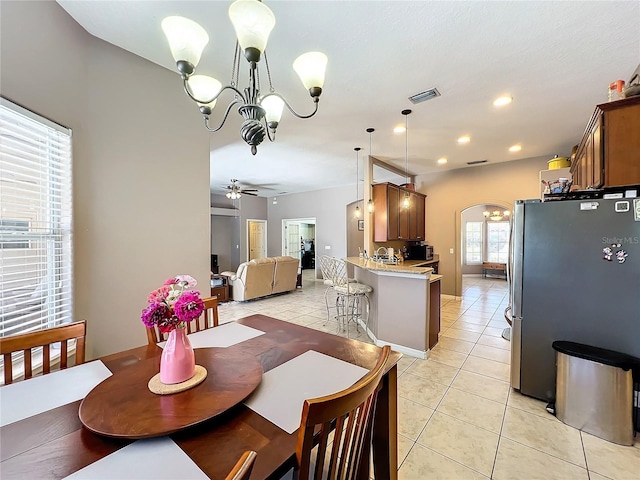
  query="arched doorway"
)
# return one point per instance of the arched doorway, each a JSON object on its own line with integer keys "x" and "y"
{"x": 478, "y": 251}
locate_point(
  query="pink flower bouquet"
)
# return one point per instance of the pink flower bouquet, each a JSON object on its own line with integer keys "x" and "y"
{"x": 172, "y": 305}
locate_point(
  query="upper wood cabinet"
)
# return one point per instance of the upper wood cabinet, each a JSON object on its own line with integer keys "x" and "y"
{"x": 416, "y": 223}
{"x": 391, "y": 220}
{"x": 609, "y": 153}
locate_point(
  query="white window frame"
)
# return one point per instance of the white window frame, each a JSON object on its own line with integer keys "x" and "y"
{"x": 36, "y": 273}
{"x": 502, "y": 256}
{"x": 479, "y": 227}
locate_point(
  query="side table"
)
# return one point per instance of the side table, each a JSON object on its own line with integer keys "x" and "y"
{"x": 220, "y": 288}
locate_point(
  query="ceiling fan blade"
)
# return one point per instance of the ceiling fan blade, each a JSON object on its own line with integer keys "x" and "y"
{"x": 249, "y": 193}
{"x": 249, "y": 190}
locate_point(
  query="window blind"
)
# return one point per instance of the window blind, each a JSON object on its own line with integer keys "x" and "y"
{"x": 36, "y": 271}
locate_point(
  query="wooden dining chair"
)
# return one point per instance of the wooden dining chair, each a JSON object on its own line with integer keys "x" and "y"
{"x": 208, "y": 319}
{"x": 350, "y": 412}
{"x": 28, "y": 342}
{"x": 242, "y": 469}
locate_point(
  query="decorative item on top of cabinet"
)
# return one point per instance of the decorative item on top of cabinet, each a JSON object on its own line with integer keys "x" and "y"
{"x": 609, "y": 153}
{"x": 391, "y": 220}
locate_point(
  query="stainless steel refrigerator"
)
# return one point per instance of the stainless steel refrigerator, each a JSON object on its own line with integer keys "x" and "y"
{"x": 575, "y": 275}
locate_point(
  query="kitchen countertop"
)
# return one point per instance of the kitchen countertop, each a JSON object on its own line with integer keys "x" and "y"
{"x": 404, "y": 267}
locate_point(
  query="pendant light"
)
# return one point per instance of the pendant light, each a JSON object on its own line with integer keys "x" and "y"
{"x": 406, "y": 201}
{"x": 370, "y": 202}
{"x": 357, "y": 212}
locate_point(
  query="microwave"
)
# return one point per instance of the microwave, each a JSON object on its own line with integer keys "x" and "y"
{"x": 421, "y": 252}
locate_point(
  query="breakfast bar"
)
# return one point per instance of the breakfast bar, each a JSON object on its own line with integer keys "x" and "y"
{"x": 404, "y": 309}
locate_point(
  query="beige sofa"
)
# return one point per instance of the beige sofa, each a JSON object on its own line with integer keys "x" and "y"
{"x": 262, "y": 277}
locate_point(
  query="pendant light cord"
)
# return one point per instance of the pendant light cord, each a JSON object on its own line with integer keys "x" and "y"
{"x": 406, "y": 149}
{"x": 406, "y": 144}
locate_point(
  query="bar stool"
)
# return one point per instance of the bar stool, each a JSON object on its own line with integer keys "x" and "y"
{"x": 326, "y": 267}
{"x": 349, "y": 296}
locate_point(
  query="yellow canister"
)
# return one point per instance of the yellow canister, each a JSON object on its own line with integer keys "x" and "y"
{"x": 558, "y": 162}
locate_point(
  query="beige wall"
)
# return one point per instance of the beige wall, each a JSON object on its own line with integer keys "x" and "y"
{"x": 141, "y": 164}
{"x": 450, "y": 192}
{"x": 326, "y": 206}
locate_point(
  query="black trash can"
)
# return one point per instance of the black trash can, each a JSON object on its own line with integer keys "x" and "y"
{"x": 595, "y": 390}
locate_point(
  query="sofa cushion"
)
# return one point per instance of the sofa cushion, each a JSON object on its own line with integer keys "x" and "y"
{"x": 286, "y": 274}
{"x": 258, "y": 278}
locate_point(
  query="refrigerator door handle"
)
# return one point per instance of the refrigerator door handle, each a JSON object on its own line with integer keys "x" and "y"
{"x": 507, "y": 315}
{"x": 516, "y": 344}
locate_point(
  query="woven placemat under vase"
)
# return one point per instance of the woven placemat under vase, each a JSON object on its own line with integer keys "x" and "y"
{"x": 159, "y": 388}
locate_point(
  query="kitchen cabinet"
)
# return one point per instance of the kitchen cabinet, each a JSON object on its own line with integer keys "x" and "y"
{"x": 609, "y": 153}
{"x": 416, "y": 222}
{"x": 391, "y": 220}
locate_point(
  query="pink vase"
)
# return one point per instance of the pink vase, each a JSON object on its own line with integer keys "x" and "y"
{"x": 177, "y": 362}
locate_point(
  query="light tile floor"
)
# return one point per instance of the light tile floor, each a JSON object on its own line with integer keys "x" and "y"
{"x": 458, "y": 416}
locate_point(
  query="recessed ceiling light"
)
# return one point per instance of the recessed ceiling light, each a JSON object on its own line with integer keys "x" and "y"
{"x": 502, "y": 101}
{"x": 399, "y": 129}
{"x": 464, "y": 139}
{"x": 515, "y": 148}
{"x": 442, "y": 161}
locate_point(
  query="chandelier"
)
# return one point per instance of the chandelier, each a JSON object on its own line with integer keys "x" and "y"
{"x": 496, "y": 215}
{"x": 253, "y": 22}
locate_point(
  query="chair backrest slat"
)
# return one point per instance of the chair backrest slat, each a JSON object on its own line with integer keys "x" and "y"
{"x": 244, "y": 466}
{"x": 27, "y": 342}
{"x": 28, "y": 371}
{"x": 46, "y": 360}
{"x": 63, "y": 354}
{"x": 351, "y": 411}
{"x": 8, "y": 370}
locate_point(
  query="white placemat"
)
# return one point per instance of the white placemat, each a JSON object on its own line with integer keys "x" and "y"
{"x": 280, "y": 395}
{"x": 29, "y": 397}
{"x": 152, "y": 459}
{"x": 223, "y": 336}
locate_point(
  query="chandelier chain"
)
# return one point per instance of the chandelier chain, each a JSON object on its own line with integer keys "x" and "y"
{"x": 266, "y": 63}
{"x": 235, "y": 74}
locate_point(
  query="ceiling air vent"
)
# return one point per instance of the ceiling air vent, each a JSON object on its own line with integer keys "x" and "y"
{"x": 476, "y": 162}
{"x": 424, "y": 96}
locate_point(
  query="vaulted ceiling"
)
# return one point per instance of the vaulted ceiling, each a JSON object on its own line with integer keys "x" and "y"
{"x": 556, "y": 59}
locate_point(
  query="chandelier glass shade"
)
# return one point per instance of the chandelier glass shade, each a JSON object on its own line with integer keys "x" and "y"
{"x": 253, "y": 22}
{"x": 496, "y": 215}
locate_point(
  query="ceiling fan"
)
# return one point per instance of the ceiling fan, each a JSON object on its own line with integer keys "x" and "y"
{"x": 235, "y": 191}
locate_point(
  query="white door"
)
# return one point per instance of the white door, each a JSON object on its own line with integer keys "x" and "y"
{"x": 257, "y": 244}
{"x": 292, "y": 244}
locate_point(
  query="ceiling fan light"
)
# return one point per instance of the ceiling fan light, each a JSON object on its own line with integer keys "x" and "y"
{"x": 311, "y": 67}
{"x": 273, "y": 106}
{"x": 253, "y": 22}
{"x": 186, "y": 39}
{"x": 204, "y": 87}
